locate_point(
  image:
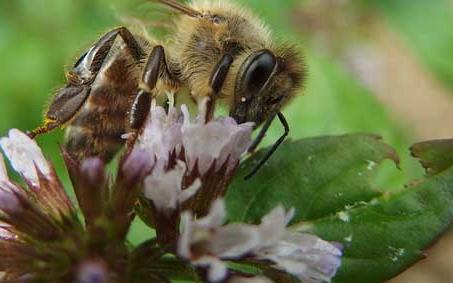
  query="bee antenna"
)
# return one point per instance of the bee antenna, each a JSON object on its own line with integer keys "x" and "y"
{"x": 274, "y": 146}
{"x": 180, "y": 7}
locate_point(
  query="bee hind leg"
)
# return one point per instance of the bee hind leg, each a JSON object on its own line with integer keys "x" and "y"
{"x": 68, "y": 101}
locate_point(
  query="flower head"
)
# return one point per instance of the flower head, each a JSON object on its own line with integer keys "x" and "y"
{"x": 41, "y": 214}
{"x": 191, "y": 162}
{"x": 41, "y": 237}
{"x": 206, "y": 243}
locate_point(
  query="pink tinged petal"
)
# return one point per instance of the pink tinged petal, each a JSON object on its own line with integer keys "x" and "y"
{"x": 9, "y": 203}
{"x": 8, "y": 200}
{"x": 215, "y": 140}
{"x": 24, "y": 154}
{"x": 161, "y": 135}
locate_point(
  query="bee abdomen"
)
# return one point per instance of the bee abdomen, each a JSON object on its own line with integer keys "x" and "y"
{"x": 97, "y": 130}
{"x": 82, "y": 146}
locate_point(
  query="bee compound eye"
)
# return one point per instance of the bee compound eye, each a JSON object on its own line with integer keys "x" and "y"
{"x": 258, "y": 71}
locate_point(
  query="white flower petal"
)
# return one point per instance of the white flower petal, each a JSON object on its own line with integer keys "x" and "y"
{"x": 164, "y": 187}
{"x": 215, "y": 217}
{"x": 234, "y": 240}
{"x": 273, "y": 226}
{"x": 24, "y": 154}
{"x": 5, "y": 233}
{"x": 185, "y": 237}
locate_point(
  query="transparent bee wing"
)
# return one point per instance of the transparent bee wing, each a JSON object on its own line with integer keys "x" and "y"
{"x": 149, "y": 15}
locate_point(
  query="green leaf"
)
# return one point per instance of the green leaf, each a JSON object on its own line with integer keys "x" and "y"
{"x": 317, "y": 176}
{"x": 435, "y": 156}
{"x": 388, "y": 235}
{"x": 382, "y": 233}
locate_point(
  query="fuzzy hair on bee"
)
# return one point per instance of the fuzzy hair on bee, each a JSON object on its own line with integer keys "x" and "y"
{"x": 217, "y": 49}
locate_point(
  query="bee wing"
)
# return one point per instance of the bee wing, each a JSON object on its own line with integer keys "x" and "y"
{"x": 149, "y": 15}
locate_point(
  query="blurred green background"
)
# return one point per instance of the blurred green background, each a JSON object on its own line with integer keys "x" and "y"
{"x": 375, "y": 66}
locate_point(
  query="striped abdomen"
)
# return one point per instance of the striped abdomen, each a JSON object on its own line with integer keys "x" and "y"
{"x": 98, "y": 127}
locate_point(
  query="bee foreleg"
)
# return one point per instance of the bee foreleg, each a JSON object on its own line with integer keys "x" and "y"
{"x": 220, "y": 73}
{"x": 261, "y": 134}
{"x": 274, "y": 146}
{"x": 217, "y": 81}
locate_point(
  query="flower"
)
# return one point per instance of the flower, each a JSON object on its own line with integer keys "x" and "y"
{"x": 206, "y": 243}
{"x": 191, "y": 163}
{"x": 203, "y": 143}
{"x": 41, "y": 237}
{"x": 208, "y": 150}
{"x": 41, "y": 214}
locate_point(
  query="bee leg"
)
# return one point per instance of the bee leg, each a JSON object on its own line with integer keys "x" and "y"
{"x": 261, "y": 134}
{"x": 155, "y": 68}
{"x": 95, "y": 57}
{"x": 71, "y": 98}
{"x": 274, "y": 146}
{"x": 217, "y": 81}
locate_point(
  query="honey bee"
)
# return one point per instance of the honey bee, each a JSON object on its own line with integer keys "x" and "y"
{"x": 217, "y": 49}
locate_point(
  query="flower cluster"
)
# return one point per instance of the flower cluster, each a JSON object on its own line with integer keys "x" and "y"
{"x": 206, "y": 242}
{"x": 173, "y": 176}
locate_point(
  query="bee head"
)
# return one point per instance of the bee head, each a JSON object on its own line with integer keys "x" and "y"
{"x": 265, "y": 82}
